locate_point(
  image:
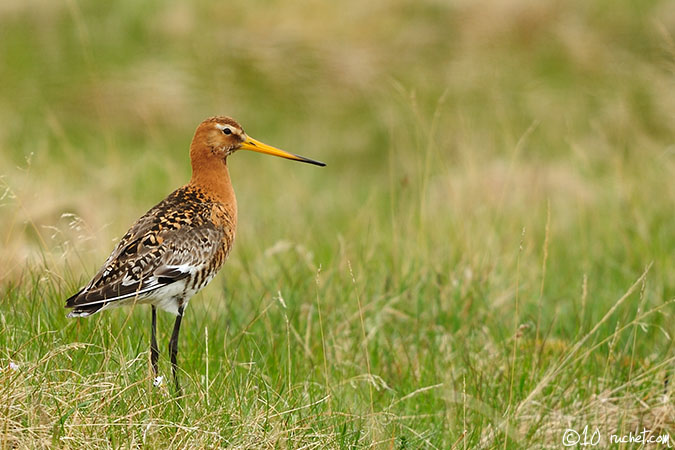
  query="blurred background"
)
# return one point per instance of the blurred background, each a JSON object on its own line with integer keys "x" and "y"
{"x": 484, "y": 103}
{"x": 492, "y": 166}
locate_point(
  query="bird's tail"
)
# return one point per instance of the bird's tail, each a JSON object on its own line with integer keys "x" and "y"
{"x": 82, "y": 310}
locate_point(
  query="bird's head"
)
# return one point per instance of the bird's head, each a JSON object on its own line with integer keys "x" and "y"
{"x": 219, "y": 137}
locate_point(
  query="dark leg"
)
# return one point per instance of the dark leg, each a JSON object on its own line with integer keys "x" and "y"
{"x": 154, "y": 350}
{"x": 173, "y": 348}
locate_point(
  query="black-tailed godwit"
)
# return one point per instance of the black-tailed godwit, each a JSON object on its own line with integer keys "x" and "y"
{"x": 177, "y": 247}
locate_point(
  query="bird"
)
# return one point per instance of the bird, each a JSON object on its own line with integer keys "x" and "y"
{"x": 177, "y": 247}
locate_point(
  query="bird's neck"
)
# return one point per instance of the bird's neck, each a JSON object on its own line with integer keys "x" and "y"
{"x": 214, "y": 178}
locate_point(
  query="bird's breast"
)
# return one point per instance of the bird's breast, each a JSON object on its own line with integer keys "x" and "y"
{"x": 223, "y": 218}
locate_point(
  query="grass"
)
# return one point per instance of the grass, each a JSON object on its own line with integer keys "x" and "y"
{"x": 486, "y": 261}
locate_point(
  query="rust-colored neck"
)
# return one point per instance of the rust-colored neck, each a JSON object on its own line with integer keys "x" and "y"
{"x": 209, "y": 172}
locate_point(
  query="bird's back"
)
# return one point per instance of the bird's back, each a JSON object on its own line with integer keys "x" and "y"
{"x": 170, "y": 253}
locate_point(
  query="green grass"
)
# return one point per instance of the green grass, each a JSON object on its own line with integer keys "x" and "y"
{"x": 486, "y": 261}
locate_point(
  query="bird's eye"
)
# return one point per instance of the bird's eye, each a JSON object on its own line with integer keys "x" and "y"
{"x": 227, "y": 131}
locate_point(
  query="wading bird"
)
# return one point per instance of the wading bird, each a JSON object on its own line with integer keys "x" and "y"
{"x": 177, "y": 247}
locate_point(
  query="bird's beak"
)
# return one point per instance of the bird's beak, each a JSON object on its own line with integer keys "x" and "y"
{"x": 257, "y": 146}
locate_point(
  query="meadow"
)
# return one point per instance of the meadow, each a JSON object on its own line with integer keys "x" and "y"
{"x": 487, "y": 260}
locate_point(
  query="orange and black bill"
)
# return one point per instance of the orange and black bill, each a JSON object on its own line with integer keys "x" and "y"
{"x": 257, "y": 146}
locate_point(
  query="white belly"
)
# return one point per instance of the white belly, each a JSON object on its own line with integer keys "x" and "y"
{"x": 167, "y": 298}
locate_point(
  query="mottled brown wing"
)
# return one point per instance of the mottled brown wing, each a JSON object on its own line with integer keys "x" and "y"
{"x": 158, "y": 250}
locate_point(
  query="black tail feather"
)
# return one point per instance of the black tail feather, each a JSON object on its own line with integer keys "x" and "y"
{"x": 70, "y": 303}
{"x": 85, "y": 310}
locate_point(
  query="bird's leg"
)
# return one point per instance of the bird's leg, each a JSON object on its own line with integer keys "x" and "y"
{"x": 173, "y": 348}
{"x": 154, "y": 350}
